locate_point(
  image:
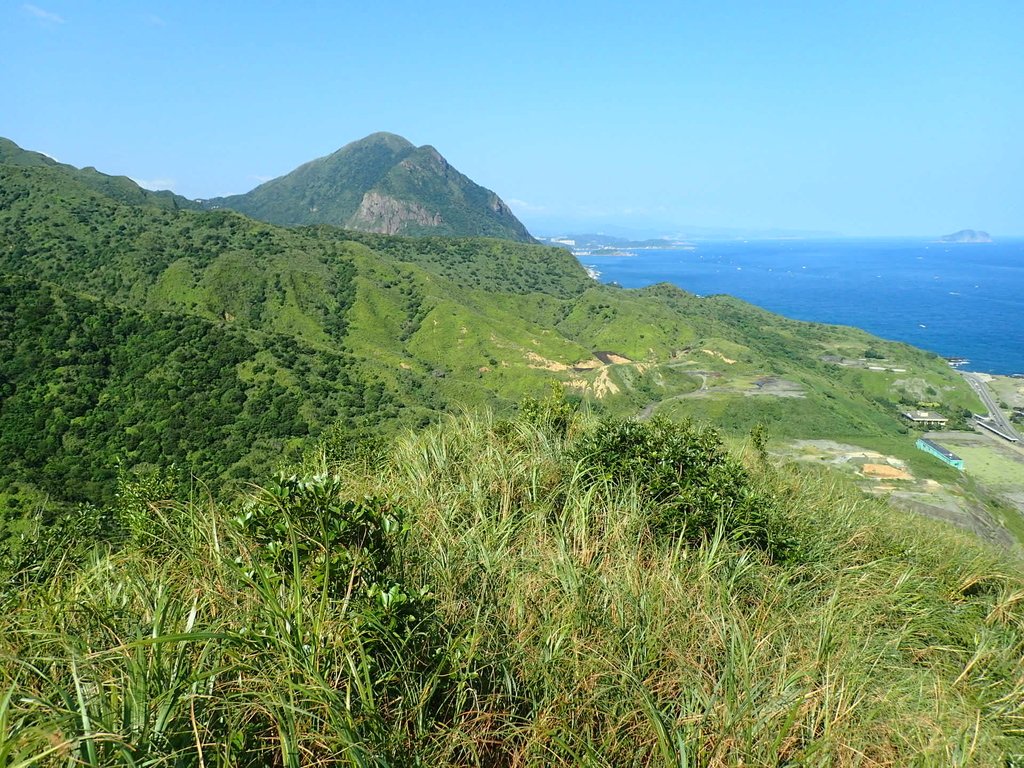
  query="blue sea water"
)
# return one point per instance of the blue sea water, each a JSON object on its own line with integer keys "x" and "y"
{"x": 958, "y": 300}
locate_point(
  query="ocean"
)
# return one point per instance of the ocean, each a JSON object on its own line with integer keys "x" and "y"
{"x": 958, "y": 300}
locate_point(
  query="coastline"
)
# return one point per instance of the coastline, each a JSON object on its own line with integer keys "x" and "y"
{"x": 951, "y": 300}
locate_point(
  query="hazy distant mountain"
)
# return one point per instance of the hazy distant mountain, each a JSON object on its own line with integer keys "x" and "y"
{"x": 593, "y": 240}
{"x": 383, "y": 184}
{"x": 967, "y": 236}
{"x": 120, "y": 188}
{"x": 640, "y": 230}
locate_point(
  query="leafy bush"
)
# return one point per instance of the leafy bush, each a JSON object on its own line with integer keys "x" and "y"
{"x": 693, "y": 486}
{"x": 137, "y": 493}
{"x": 34, "y": 543}
{"x": 553, "y": 414}
{"x": 305, "y": 526}
{"x": 346, "y": 552}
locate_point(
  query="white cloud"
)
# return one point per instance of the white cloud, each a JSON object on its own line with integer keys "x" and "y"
{"x": 39, "y": 13}
{"x": 155, "y": 21}
{"x": 156, "y": 184}
{"x": 524, "y": 206}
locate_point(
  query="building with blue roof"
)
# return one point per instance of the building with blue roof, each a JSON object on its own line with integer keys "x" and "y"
{"x": 936, "y": 450}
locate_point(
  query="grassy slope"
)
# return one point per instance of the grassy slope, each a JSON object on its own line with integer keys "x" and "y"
{"x": 560, "y": 629}
{"x": 119, "y": 188}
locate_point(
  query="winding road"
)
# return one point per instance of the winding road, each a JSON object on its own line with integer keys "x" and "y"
{"x": 994, "y": 413}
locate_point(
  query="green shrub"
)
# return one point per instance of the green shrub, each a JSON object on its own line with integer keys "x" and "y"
{"x": 693, "y": 487}
{"x": 304, "y": 526}
{"x": 314, "y": 540}
{"x": 137, "y": 493}
{"x": 554, "y": 414}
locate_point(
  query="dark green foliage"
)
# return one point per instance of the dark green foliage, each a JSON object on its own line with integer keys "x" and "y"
{"x": 485, "y": 264}
{"x": 695, "y": 489}
{"x": 303, "y": 526}
{"x": 88, "y": 386}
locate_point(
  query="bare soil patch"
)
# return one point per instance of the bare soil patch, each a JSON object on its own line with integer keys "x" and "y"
{"x": 536, "y": 361}
{"x": 772, "y": 385}
{"x": 884, "y": 471}
{"x": 603, "y": 385}
{"x": 612, "y": 358}
{"x": 719, "y": 355}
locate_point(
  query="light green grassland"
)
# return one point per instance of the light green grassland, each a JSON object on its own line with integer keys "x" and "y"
{"x": 616, "y": 321}
{"x": 991, "y": 467}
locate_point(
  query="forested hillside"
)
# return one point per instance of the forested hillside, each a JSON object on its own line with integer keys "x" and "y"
{"x": 147, "y": 318}
{"x": 119, "y": 188}
{"x": 87, "y": 386}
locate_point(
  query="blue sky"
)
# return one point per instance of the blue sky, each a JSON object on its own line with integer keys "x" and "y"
{"x": 863, "y": 118}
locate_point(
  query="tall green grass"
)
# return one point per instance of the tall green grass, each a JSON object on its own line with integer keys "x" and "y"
{"x": 520, "y": 608}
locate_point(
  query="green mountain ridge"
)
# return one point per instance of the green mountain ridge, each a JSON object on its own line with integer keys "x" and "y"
{"x": 384, "y": 184}
{"x": 120, "y": 188}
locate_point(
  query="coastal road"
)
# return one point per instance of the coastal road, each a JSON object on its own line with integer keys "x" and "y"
{"x": 996, "y": 415}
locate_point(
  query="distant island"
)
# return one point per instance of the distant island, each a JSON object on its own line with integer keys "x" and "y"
{"x": 967, "y": 236}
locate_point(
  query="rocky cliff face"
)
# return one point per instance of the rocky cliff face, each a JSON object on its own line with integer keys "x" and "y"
{"x": 498, "y": 206}
{"x": 388, "y": 216}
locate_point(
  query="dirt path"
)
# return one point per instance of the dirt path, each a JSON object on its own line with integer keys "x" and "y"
{"x": 648, "y": 410}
